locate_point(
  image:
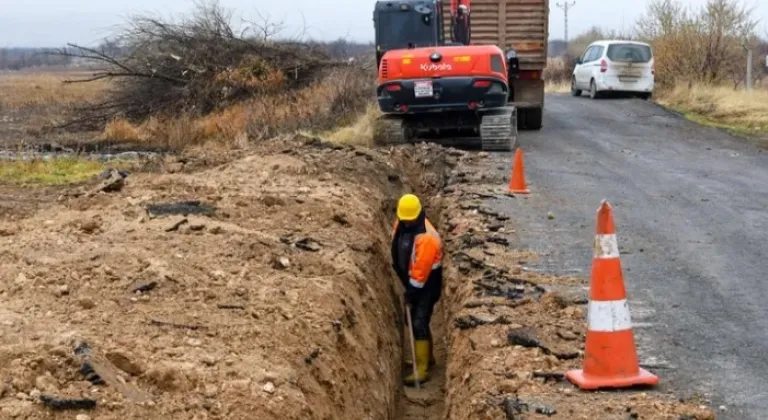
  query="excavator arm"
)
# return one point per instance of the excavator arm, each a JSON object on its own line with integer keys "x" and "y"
{"x": 461, "y": 31}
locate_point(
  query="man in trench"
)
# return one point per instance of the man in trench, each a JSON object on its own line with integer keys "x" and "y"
{"x": 417, "y": 253}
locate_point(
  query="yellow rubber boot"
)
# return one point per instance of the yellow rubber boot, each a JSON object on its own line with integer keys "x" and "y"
{"x": 408, "y": 362}
{"x": 422, "y": 363}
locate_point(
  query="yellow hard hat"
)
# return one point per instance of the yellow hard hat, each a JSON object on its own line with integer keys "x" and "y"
{"x": 408, "y": 208}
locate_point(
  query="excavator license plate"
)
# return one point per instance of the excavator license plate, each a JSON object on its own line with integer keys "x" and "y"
{"x": 423, "y": 89}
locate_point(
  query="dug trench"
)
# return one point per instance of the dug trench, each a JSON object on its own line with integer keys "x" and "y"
{"x": 262, "y": 288}
{"x": 258, "y": 288}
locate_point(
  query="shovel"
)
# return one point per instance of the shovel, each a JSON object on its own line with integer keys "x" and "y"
{"x": 413, "y": 347}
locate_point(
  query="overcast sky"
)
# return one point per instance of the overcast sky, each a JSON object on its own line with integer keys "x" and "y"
{"x": 39, "y": 23}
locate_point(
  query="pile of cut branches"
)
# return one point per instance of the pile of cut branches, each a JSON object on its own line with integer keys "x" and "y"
{"x": 193, "y": 67}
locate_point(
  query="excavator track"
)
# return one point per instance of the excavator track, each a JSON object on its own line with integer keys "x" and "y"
{"x": 498, "y": 130}
{"x": 389, "y": 130}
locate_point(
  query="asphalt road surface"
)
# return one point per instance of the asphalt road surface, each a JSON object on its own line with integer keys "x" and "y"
{"x": 691, "y": 209}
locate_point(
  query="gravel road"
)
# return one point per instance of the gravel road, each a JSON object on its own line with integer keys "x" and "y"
{"x": 690, "y": 206}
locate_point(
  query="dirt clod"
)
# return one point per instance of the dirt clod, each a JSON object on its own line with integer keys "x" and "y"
{"x": 550, "y": 376}
{"x": 144, "y": 286}
{"x": 272, "y": 201}
{"x": 62, "y": 290}
{"x": 210, "y": 391}
{"x": 113, "y": 181}
{"x": 197, "y": 227}
{"x": 308, "y": 244}
{"x": 473, "y": 321}
{"x": 341, "y": 219}
{"x": 123, "y": 362}
{"x": 86, "y": 303}
{"x": 525, "y": 337}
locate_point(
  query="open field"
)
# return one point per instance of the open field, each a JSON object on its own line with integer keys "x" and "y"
{"x": 34, "y": 102}
{"x": 31, "y": 91}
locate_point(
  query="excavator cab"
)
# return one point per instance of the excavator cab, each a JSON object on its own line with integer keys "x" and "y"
{"x": 405, "y": 24}
{"x": 461, "y": 32}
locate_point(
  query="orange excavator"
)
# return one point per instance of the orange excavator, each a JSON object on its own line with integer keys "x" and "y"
{"x": 433, "y": 89}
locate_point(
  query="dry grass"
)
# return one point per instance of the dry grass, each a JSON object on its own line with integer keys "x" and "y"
{"x": 359, "y": 133}
{"x": 558, "y": 71}
{"x": 332, "y": 102}
{"x": 721, "y": 106}
{"x": 38, "y": 100}
{"x": 557, "y": 75}
{"x": 45, "y": 90}
{"x": 557, "y": 87}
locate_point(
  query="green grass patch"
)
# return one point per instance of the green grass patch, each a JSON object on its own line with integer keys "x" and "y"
{"x": 760, "y": 136}
{"x": 55, "y": 171}
{"x": 703, "y": 120}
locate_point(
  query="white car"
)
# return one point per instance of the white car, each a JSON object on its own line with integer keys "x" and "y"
{"x": 614, "y": 66}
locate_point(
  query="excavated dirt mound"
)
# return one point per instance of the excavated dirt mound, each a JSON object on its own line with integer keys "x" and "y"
{"x": 511, "y": 338}
{"x": 258, "y": 289}
{"x": 262, "y": 289}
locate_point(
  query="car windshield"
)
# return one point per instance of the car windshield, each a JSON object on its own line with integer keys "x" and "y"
{"x": 633, "y": 53}
{"x": 398, "y": 29}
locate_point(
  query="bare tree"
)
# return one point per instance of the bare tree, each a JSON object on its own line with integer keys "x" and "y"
{"x": 707, "y": 45}
{"x": 195, "y": 66}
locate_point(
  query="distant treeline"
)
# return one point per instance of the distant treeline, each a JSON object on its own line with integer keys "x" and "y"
{"x": 22, "y": 58}
{"x": 342, "y": 49}
{"x": 557, "y": 48}
{"x": 19, "y": 58}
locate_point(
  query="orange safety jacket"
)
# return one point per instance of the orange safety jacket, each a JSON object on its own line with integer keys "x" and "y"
{"x": 425, "y": 247}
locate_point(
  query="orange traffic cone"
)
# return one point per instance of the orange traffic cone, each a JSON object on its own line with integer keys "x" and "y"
{"x": 517, "y": 179}
{"x": 610, "y": 357}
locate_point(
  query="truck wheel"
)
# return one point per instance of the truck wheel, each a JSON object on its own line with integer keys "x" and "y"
{"x": 529, "y": 118}
{"x": 389, "y": 130}
{"x": 574, "y": 91}
{"x": 533, "y": 118}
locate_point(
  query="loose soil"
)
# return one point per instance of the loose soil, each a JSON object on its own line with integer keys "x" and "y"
{"x": 513, "y": 333}
{"x": 280, "y": 303}
{"x": 17, "y": 202}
